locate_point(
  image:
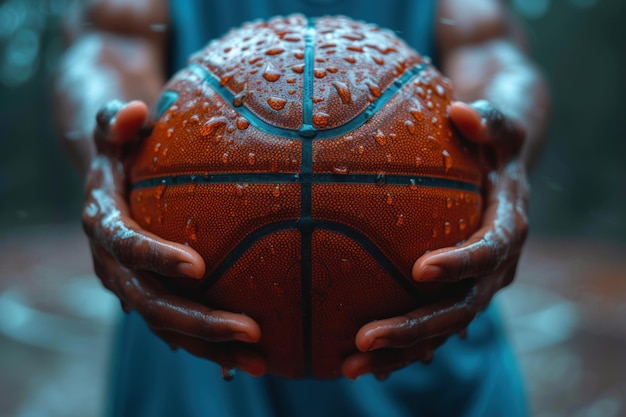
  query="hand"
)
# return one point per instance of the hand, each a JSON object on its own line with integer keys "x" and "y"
{"x": 132, "y": 262}
{"x": 487, "y": 261}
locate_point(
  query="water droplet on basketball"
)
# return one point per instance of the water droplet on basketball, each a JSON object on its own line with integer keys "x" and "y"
{"x": 274, "y": 51}
{"x": 413, "y": 184}
{"x": 343, "y": 91}
{"x": 341, "y": 170}
{"x": 298, "y": 68}
{"x": 389, "y": 199}
{"x": 378, "y": 60}
{"x": 440, "y": 90}
{"x": 345, "y": 266}
{"x": 361, "y": 150}
{"x": 228, "y": 374}
{"x": 449, "y": 202}
{"x": 195, "y": 118}
{"x": 400, "y": 220}
{"x": 447, "y": 228}
{"x": 350, "y": 59}
{"x": 462, "y": 224}
{"x": 169, "y": 132}
{"x": 239, "y": 97}
{"x": 410, "y": 127}
{"x": 214, "y": 128}
{"x": 251, "y": 158}
{"x": 374, "y": 89}
{"x": 418, "y": 161}
{"x": 225, "y": 157}
{"x": 156, "y": 147}
{"x": 191, "y": 229}
{"x": 276, "y": 103}
{"x": 270, "y": 74}
{"x": 447, "y": 160}
{"x": 319, "y": 73}
{"x": 159, "y": 191}
{"x": 320, "y": 119}
{"x": 434, "y": 120}
{"x": 380, "y": 138}
{"x": 242, "y": 123}
{"x": 239, "y": 188}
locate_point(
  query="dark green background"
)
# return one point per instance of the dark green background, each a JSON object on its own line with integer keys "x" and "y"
{"x": 579, "y": 186}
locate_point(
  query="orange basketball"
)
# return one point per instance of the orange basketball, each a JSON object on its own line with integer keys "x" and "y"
{"x": 310, "y": 162}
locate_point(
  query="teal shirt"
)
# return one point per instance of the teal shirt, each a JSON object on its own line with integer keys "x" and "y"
{"x": 476, "y": 377}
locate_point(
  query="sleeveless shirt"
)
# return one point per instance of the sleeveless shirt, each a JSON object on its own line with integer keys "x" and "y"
{"x": 470, "y": 378}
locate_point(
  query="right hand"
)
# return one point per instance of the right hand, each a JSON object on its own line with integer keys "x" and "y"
{"x": 131, "y": 261}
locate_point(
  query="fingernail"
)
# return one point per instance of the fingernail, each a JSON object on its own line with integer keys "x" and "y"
{"x": 187, "y": 269}
{"x": 430, "y": 272}
{"x": 378, "y": 344}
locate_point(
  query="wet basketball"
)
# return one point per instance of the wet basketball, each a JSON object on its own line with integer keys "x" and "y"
{"x": 311, "y": 163}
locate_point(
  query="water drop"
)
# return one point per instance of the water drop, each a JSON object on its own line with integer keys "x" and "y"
{"x": 226, "y": 78}
{"x": 361, "y": 150}
{"x": 169, "y": 132}
{"x": 225, "y": 157}
{"x": 389, "y": 199}
{"x": 378, "y": 60}
{"x": 418, "y": 161}
{"x": 320, "y": 119}
{"x": 448, "y": 202}
{"x": 254, "y": 60}
{"x": 239, "y": 97}
{"x": 343, "y": 91}
{"x": 147, "y": 220}
{"x": 270, "y": 74}
{"x": 341, "y": 170}
{"x": 374, "y": 89}
{"x": 345, "y": 266}
{"x": 380, "y": 138}
{"x": 228, "y": 374}
{"x": 434, "y": 234}
{"x": 410, "y": 127}
{"x": 160, "y": 190}
{"x": 332, "y": 70}
{"x": 276, "y": 103}
{"x": 251, "y": 158}
{"x": 354, "y": 48}
{"x": 274, "y": 51}
{"x": 157, "y": 147}
{"x": 276, "y": 191}
{"x": 417, "y": 114}
{"x": 434, "y": 120}
{"x": 164, "y": 153}
{"x": 214, "y": 128}
{"x": 299, "y": 55}
{"x": 462, "y": 225}
{"x": 298, "y": 68}
{"x": 447, "y": 160}
{"x": 191, "y": 229}
{"x": 239, "y": 188}
{"x": 400, "y": 220}
{"x": 447, "y": 228}
{"x": 319, "y": 73}
{"x": 413, "y": 184}
{"x": 242, "y": 123}
{"x": 290, "y": 80}
{"x": 440, "y": 90}
{"x": 429, "y": 104}
{"x": 389, "y": 158}
{"x": 350, "y": 59}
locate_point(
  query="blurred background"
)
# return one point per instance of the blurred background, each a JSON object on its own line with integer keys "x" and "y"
{"x": 564, "y": 313}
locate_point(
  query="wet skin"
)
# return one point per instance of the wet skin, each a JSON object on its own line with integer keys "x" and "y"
{"x": 131, "y": 261}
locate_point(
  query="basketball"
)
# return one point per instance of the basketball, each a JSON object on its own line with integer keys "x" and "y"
{"x": 311, "y": 163}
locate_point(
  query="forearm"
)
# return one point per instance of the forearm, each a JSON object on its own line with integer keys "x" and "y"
{"x": 109, "y": 61}
{"x": 498, "y": 71}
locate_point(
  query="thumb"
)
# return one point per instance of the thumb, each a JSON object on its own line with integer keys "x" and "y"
{"x": 119, "y": 122}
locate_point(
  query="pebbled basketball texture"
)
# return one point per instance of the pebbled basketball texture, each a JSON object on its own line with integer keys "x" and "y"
{"x": 310, "y": 162}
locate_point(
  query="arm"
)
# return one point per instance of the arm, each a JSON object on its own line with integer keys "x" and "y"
{"x": 481, "y": 49}
{"x": 120, "y": 57}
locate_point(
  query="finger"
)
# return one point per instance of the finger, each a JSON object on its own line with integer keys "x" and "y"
{"x": 119, "y": 122}
{"x": 383, "y": 362}
{"x": 228, "y": 355}
{"x": 482, "y": 122}
{"x": 166, "y": 311}
{"x": 438, "y": 320}
{"x": 497, "y": 243}
{"x": 107, "y": 221}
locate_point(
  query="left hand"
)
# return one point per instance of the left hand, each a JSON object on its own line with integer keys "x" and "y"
{"x": 487, "y": 260}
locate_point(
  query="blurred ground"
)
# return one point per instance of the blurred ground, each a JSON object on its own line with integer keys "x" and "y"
{"x": 56, "y": 324}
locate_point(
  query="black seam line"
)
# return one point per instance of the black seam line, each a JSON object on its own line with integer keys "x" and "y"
{"x": 305, "y": 224}
{"x": 307, "y": 130}
{"x": 369, "y": 246}
{"x": 303, "y": 178}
